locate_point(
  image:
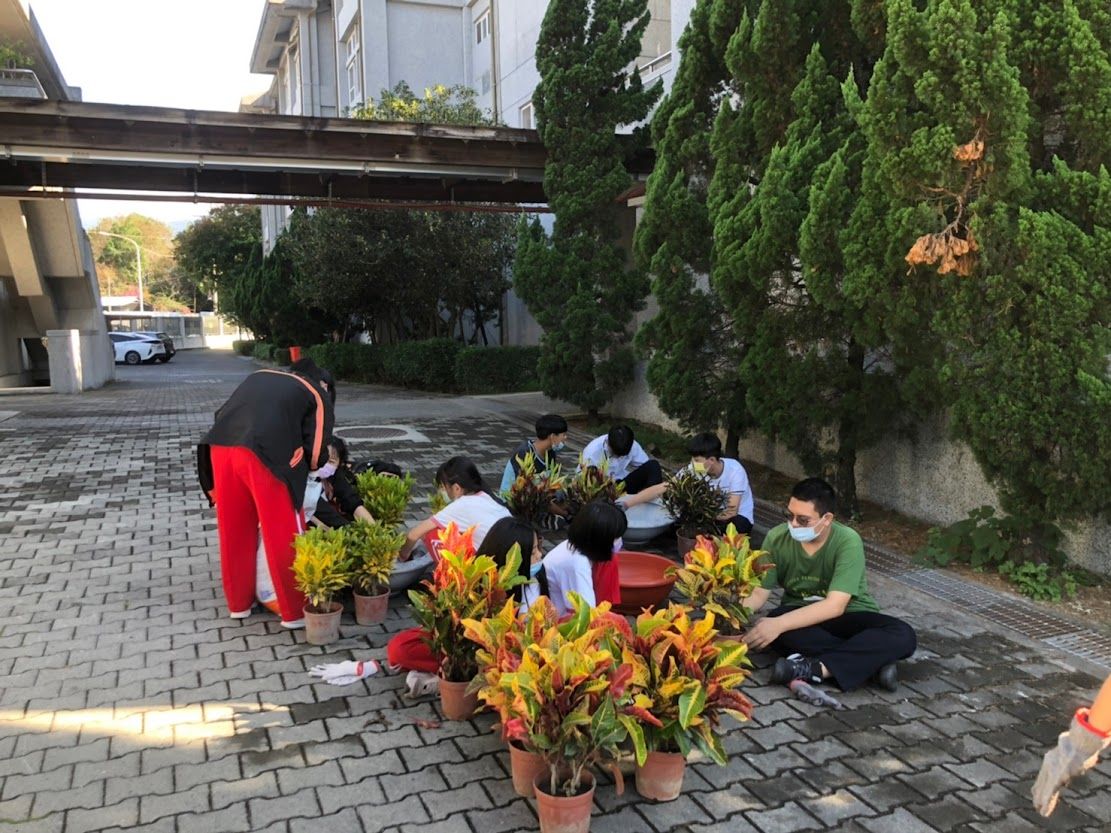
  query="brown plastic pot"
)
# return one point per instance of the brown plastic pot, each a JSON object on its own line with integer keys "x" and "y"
{"x": 642, "y": 580}
{"x": 370, "y": 610}
{"x": 661, "y": 776}
{"x": 560, "y": 814}
{"x": 456, "y": 702}
{"x": 525, "y": 767}
{"x": 684, "y": 544}
{"x": 323, "y": 628}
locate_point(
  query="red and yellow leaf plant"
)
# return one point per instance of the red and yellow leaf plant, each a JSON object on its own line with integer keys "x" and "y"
{"x": 464, "y": 586}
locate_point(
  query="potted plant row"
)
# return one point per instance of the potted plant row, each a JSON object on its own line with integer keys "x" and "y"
{"x": 464, "y": 586}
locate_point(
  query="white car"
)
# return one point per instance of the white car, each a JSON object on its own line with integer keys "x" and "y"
{"x": 134, "y": 348}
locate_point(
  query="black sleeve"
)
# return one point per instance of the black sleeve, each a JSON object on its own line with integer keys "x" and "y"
{"x": 327, "y": 514}
{"x": 346, "y": 495}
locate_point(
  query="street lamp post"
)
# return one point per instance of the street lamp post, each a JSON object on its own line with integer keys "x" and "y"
{"x": 138, "y": 260}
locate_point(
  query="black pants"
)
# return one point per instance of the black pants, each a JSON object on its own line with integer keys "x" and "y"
{"x": 852, "y": 647}
{"x": 643, "y": 476}
{"x": 743, "y": 524}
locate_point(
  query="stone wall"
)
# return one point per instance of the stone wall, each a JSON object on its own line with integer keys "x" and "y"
{"x": 929, "y": 476}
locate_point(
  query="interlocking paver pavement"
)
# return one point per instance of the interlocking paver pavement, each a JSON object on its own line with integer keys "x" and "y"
{"x": 130, "y": 701}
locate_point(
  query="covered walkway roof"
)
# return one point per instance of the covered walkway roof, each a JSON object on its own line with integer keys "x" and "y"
{"x": 52, "y": 144}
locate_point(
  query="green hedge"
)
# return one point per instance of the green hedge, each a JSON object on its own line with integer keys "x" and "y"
{"x": 243, "y": 348}
{"x": 426, "y": 365}
{"x": 263, "y": 351}
{"x": 436, "y": 364}
{"x": 497, "y": 369}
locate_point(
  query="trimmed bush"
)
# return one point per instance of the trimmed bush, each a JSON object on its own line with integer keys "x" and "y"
{"x": 353, "y": 362}
{"x": 497, "y": 369}
{"x": 281, "y": 356}
{"x": 263, "y": 351}
{"x": 427, "y": 365}
{"x": 243, "y": 348}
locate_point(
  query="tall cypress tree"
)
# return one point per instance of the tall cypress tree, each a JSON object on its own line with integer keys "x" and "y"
{"x": 693, "y": 353}
{"x": 577, "y": 283}
{"x": 982, "y": 172}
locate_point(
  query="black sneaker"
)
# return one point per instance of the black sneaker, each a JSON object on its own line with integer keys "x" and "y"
{"x": 888, "y": 677}
{"x": 797, "y": 667}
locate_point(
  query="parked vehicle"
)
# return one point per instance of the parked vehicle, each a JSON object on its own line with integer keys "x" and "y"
{"x": 134, "y": 348}
{"x": 166, "y": 340}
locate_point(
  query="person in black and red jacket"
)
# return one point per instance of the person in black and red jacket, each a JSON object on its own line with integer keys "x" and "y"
{"x": 253, "y": 465}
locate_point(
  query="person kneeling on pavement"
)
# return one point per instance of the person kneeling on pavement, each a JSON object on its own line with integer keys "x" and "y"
{"x": 827, "y": 626}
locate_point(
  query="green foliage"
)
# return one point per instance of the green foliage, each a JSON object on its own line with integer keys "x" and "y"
{"x": 386, "y": 497}
{"x": 590, "y": 483}
{"x": 13, "y": 56}
{"x": 438, "y": 105}
{"x": 434, "y": 364}
{"x": 693, "y": 502}
{"x": 373, "y": 548}
{"x": 576, "y": 282}
{"x": 983, "y": 540}
{"x": 117, "y": 268}
{"x": 321, "y": 567}
{"x": 213, "y": 253}
{"x": 497, "y": 369}
{"x": 531, "y": 494}
{"x": 243, "y": 348}
{"x": 719, "y": 573}
{"x": 561, "y": 689}
{"x": 690, "y": 678}
{"x": 693, "y": 354}
{"x": 464, "y": 586}
{"x": 978, "y": 128}
{"x": 426, "y": 365}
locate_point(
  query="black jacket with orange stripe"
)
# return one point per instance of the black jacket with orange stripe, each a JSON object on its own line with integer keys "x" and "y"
{"x": 284, "y": 418}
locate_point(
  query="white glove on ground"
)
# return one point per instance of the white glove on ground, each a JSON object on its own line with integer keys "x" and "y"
{"x": 345, "y": 673}
{"x": 1077, "y": 750}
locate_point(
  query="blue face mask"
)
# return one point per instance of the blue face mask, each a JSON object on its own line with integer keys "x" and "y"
{"x": 535, "y": 568}
{"x": 559, "y": 446}
{"x": 804, "y": 534}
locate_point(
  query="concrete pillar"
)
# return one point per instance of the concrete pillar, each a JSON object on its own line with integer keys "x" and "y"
{"x": 79, "y": 360}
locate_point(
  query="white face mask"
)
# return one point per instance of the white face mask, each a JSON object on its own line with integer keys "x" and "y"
{"x": 325, "y": 471}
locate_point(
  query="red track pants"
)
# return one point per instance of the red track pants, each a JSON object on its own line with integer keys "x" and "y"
{"x": 409, "y": 651}
{"x": 248, "y": 496}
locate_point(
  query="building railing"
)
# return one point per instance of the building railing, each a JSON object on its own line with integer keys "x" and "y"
{"x": 655, "y": 66}
{"x": 20, "y": 83}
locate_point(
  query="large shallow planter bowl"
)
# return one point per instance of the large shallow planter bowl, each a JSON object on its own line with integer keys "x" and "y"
{"x": 643, "y": 583}
{"x": 407, "y": 573}
{"x": 646, "y": 521}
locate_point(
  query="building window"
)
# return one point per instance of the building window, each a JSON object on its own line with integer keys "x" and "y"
{"x": 293, "y": 74}
{"x": 526, "y": 116}
{"x": 482, "y": 27}
{"x": 354, "y": 68}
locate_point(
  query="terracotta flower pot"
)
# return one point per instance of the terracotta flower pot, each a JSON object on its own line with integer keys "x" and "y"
{"x": 560, "y": 814}
{"x": 526, "y": 767}
{"x": 661, "y": 776}
{"x": 370, "y": 610}
{"x": 323, "y": 628}
{"x": 456, "y": 702}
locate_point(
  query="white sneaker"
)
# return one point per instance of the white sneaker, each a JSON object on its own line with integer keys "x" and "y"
{"x": 241, "y": 614}
{"x": 295, "y": 625}
{"x": 422, "y": 683}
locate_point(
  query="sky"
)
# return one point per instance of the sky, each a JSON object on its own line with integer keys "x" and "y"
{"x": 167, "y": 53}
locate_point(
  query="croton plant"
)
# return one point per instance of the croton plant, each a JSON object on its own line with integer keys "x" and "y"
{"x": 719, "y": 573}
{"x": 464, "y": 586}
{"x": 689, "y": 679}
{"x": 532, "y": 492}
{"x": 561, "y": 689}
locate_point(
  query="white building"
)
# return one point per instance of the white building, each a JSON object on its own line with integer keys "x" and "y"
{"x": 328, "y": 56}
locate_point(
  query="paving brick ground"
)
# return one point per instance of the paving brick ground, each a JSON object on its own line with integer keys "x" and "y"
{"x": 128, "y": 700}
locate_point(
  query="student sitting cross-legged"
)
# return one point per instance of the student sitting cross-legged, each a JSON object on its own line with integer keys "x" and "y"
{"x": 628, "y": 463}
{"x": 827, "y": 625}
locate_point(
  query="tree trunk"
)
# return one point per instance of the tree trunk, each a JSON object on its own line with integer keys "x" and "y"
{"x": 845, "y": 471}
{"x": 732, "y": 443}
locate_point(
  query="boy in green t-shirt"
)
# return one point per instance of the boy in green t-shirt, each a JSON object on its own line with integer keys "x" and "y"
{"x": 827, "y": 624}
